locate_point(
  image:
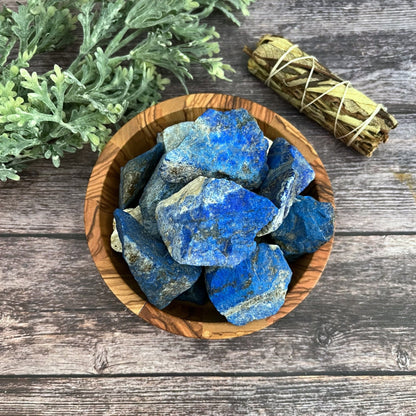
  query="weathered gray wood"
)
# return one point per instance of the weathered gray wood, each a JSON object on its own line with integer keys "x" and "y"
{"x": 57, "y": 316}
{"x": 370, "y": 196}
{"x": 46, "y": 199}
{"x": 360, "y": 317}
{"x": 297, "y": 395}
{"x": 376, "y": 195}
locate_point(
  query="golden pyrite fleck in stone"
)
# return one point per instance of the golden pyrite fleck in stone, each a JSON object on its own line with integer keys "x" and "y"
{"x": 324, "y": 97}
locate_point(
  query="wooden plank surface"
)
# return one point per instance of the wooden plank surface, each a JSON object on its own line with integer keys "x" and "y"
{"x": 292, "y": 395}
{"x": 68, "y": 346}
{"x": 376, "y": 195}
{"x": 372, "y": 196}
{"x": 357, "y": 319}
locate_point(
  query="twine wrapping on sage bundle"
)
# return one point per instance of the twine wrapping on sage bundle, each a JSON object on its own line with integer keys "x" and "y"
{"x": 324, "y": 97}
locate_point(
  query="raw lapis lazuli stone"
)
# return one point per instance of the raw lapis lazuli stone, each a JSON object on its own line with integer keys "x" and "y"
{"x": 155, "y": 190}
{"x": 173, "y": 136}
{"x": 160, "y": 277}
{"x": 254, "y": 289}
{"x": 289, "y": 174}
{"x": 282, "y": 196}
{"x": 309, "y": 224}
{"x": 135, "y": 174}
{"x": 282, "y": 155}
{"x": 197, "y": 293}
{"x": 136, "y": 213}
{"x": 212, "y": 222}
{"x": 226, "y": 144}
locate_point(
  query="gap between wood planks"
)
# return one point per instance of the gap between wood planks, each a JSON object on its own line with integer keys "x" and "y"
{"x": 312, "y": 374}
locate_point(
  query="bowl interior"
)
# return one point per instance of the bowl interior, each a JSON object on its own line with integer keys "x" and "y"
{"x": 138, "y": 136}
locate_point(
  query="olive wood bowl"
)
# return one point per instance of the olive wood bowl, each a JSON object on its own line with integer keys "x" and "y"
{"x": 138, "y": 136}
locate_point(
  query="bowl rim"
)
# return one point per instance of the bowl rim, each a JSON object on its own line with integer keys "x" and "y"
{"x": 96, "y": 211}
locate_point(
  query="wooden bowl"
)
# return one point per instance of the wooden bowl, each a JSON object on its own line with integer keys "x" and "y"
{"x": 138, "y": 136}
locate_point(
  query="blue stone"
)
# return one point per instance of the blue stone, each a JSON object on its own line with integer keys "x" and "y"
{"x": 160, "y": 277}
{"x": 284, "y": 156}
{"x": 115, "y": 242}
{"x": 173, "y": 136}
{"x": 279, "y": 188}
{"x": 309, "y": 224}
{"x": 155, "y": 190}
{"x": 135, "y": 174}
{"x": 197, "y": 293}
{"x": 289, "y": 174}
{"x": 226, "y": 144}
{"x": 212, "y": 222}
{"x": 254, "y": 289}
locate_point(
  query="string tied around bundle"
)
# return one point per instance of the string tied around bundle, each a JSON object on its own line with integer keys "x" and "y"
{"x": 278, "y": 67}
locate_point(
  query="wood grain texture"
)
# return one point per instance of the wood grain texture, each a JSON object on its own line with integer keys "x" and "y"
{"x": 368, "y": 195}
{"x": 58, "y": 317}
{"x": 374, "y": 55}
{"x": 136, "y": 137}
{"x": 292, "y": 395}
{"x": 359, "y": 318}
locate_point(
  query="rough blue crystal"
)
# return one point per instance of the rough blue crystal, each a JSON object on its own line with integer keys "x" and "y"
{"x": 226, "y": 144}
{"x": 197, "y": 293}
{"x": 254, "y": 289}
{"x": 173, "y": 136}
{"x": 284, "y": 156}
{"x": 135, "y": 174}
{"x": 279, "y": 188}
{"x": 309, "y": 224}
{"x": 212, "y": 222}
{"x": 136, "y": 213}
{"x": 289, "y": 174}
{"x": 155, "y": 190}
{"x": 160, "y": 277}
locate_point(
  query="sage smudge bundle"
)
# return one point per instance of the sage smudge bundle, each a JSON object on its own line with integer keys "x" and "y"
{"x": 324, "y": 97}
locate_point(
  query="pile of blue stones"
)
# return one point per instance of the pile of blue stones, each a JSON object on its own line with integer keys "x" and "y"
{"x": 213, "y": 212}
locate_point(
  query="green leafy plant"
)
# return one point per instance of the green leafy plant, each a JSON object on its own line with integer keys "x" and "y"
{"x": 126, "y": 46}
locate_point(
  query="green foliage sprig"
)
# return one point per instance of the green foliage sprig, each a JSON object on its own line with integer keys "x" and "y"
{"x": 116, "y": 74}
